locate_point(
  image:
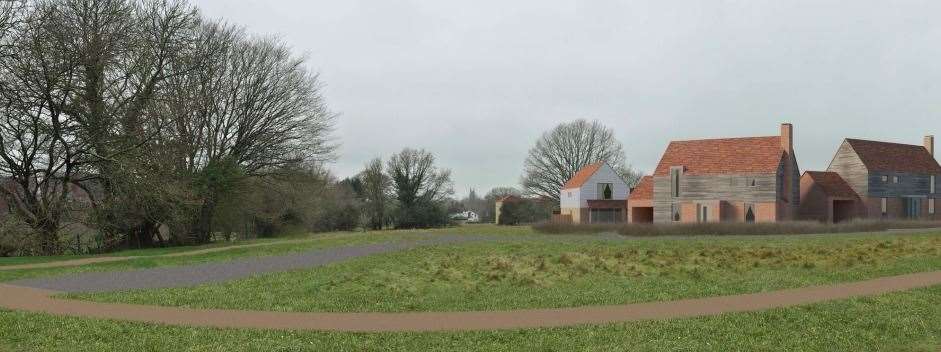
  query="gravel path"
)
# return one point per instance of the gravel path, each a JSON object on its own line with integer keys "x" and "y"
{"x": 193, "y": 275}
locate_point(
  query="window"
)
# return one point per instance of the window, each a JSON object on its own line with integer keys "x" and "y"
{"x": 570, "y": 194}
{"x": 750, "y": 213}
{"x": 675, "y": 181}
{"x": 895, "y": 179}
{"x": 931, "y": 206}
{"x": 885, "y": 179}
{"x": 675, "y": 212}
{"x": 702, "y": 213}
{"x": 931, "y": 183}
{"x": 885, "y": 206}
{"x": 913, "y": 207}
{"x": 605, "y": 191}
{"x": 752, "y": 183}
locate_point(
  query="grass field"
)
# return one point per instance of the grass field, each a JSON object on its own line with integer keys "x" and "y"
{"x": 559, "y": 273}
{"x": 908, "y": 321}
{"x": 525, "y": 270}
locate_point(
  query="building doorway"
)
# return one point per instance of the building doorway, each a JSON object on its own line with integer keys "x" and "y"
{"x": 913, "y": 208}
{"x": 843, "y": 210}
{"x": 642, "y": 215}
{"x": 750, "y": 214}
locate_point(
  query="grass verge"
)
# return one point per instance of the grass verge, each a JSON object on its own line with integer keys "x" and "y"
{"x": 906, "y": 321}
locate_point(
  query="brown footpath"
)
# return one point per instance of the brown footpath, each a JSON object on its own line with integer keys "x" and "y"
{"x": 37, "y": 300}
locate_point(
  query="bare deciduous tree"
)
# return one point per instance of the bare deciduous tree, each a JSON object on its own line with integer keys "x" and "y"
{"x": 567, "y": 148}
{"x": 125, "y": 52}
{"x": 420, "y": 188}
{"x": 40, "y": 153}
{"x": 252, "y": 109}
{"x": 150, "y": 110}
{"x": 376, "y": 185}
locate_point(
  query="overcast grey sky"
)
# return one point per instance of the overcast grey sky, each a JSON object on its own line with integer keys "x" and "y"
{"x": 477, "y": 82}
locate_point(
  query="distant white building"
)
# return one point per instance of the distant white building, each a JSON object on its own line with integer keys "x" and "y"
{"x": 466, "y": 216}
{"x": 596, "y": 194}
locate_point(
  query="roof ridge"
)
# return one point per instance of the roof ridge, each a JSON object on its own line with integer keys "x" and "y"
{"x": 722, "y": 139}
{"x": 883, "y": 142}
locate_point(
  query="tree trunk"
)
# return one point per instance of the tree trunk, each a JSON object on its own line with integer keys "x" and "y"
{"x": 49, "y": 240}
{"x": 204, "y": 221}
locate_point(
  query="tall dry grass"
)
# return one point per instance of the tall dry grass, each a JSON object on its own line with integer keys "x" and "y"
{"x": 723, "y": 229}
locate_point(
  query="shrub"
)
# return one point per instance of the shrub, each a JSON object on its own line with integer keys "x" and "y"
{"x": 524, "y": 211}
{"x": 723, "y": 229}
{"x": 16, "y": 238}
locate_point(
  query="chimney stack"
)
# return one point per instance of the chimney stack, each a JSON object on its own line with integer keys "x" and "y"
{"x": 787, "y": 138}
{"x": 929, "y": 144}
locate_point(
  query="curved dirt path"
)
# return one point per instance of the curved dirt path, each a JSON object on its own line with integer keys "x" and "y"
{"x": 39, "y": 300}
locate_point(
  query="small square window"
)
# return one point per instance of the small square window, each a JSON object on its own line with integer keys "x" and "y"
{"x": 895, "y": 179}
{"x": 885, "y": 179}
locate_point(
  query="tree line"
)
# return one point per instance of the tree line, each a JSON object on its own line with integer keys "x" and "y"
{"x": 136, "y": 123}
{"x": 130, "y": 117}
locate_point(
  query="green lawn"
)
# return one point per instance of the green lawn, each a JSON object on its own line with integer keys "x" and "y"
{"x": 907, "y": 321}
{"x": 562, "y": 272}
{"x": 481, "y": 229}
{"x": 525, "y": 270}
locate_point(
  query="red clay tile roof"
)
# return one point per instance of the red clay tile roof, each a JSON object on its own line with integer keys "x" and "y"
{"x": 582, "y": 176}
{"x": 643, "y": 190}
{"x": 895, "y": 157}
{"x": 749, "y": 155}
{"x": 832, "y": 184}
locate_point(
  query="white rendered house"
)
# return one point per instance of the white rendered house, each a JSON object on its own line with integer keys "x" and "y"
{"x": 596, "y": 194}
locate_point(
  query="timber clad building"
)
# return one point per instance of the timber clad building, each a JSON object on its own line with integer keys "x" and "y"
{"x": 876, "y": 180}
{"x": 757, "y": 179}
{"x": 734, "y": 179}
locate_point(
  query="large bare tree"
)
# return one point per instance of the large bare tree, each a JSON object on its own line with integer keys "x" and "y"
{"x": 126, "y": 50}
{"x": 420, "y": 188}
{"x": 376, "y": 186}
{"x": 40, "y": 153}
{"x": 252, "y": 110}
{"x": 567, "y": 148}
